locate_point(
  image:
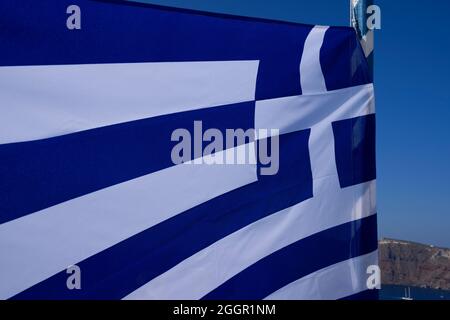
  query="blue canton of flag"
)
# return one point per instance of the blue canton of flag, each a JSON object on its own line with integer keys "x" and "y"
{"x": 86, "y": 177}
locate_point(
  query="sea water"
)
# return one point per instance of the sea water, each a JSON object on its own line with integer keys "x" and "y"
{"x": 391, "y": 292}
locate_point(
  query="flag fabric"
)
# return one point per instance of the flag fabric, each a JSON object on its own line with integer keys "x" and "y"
{"x": 87, "y": 111}
{"x": 359, "y": 13}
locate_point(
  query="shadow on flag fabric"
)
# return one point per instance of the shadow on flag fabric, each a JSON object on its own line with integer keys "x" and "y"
{"x": 87, "y": 110}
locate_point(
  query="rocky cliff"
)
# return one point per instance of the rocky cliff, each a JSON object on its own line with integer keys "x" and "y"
{"x": 413, "y": 264}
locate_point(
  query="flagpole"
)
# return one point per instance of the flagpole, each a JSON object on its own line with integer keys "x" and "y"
{"x": 358, "y": 20}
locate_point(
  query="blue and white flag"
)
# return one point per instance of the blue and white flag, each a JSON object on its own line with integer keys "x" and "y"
{"x": 96, "y": 99}
{"x": 359, "y": 14}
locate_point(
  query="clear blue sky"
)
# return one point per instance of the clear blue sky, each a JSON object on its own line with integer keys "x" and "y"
{"x": 412, "y": 70}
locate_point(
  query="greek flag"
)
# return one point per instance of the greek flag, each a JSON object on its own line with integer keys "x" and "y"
{"x": 92, "y": 205}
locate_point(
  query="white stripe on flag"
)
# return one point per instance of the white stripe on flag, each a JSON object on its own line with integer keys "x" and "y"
{"x": 337, "y": 281}
{"x": 311, "y": 77}
{"x": 89, "y": 224}
{"x": 289, "y": 114}
{"x": 44, "y": 101}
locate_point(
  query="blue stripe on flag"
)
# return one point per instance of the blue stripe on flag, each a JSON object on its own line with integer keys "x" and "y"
{"x": 355, "y": 150}
{"x": 299, "y": 259}
{"x": 342, "y": 60}
{"x": 34, "y": 33}
{"x": 124, "y": 267}
{"x": 54, "y": 170}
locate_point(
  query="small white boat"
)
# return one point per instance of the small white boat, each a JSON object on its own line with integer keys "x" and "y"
{"x": 407, "y": 294}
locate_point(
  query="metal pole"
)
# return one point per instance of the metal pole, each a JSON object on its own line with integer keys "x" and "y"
{"x": 358, "y": 20}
